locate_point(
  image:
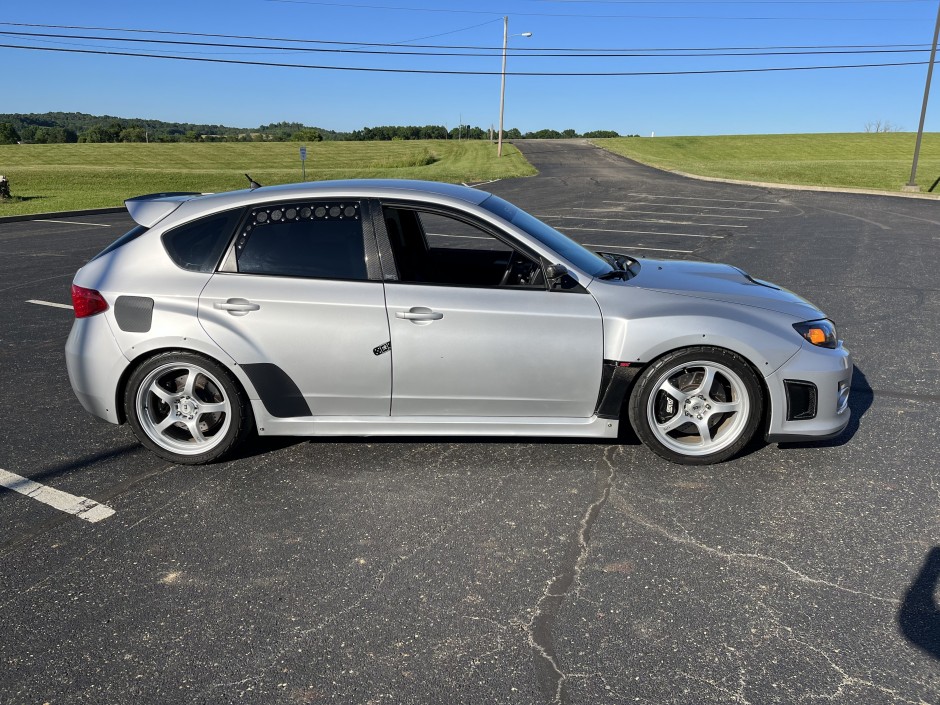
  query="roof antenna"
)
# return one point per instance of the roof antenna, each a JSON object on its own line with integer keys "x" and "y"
{"x": 252, "y": 184}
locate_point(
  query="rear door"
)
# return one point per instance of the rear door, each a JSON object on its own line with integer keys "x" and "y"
{"x": 296, "y": 308}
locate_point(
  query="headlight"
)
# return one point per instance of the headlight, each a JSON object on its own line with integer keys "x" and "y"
{"x": 821, "y": 333}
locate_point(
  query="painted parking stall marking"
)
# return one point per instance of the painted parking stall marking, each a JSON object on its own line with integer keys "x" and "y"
{"x": 72, "y": 222}
{"x": 82, "y": 507}
{"x": 662, "y": 222}
{"x": 53, "y": 304}
{"x": 644, "y": 232}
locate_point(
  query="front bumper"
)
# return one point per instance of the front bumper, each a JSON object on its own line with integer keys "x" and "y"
{"x": 830, "y": 372}
{"x": 95, "y": 365}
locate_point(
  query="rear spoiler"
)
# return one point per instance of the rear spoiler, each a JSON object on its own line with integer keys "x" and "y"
{"x": 151, "y": 209}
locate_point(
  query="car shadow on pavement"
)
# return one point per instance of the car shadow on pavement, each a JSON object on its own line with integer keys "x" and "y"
{"x": 54, "y": 471}
{"x": 919, "y": 615}
{"x": 860, "y": 401}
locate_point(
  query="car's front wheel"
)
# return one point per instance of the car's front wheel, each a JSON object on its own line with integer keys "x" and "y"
{"x": 186, "y": 408}
{"x": 697, "y": 406}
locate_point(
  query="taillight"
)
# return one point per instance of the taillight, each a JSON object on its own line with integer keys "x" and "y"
{"x": 87, "y": 302}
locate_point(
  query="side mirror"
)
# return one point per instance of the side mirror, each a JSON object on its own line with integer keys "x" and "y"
{"x": 555, "y": 271}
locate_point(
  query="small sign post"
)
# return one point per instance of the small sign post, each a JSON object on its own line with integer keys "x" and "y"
{"x": 303, "y": 163}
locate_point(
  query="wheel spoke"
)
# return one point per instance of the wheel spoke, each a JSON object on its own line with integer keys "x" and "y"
{"x": 673, "y": 423}
{"x": 166, "y": 423}
{"x": 673, "y": 391}
{"x": 190, "y": 384}
{"x": 707, "y": 381}
{"x": 161, "y": 393}
{"x": 195, "y": 431}
{"x": 721, "y": 407}
{"x": 703, "y": 430}
{"x": 216, "y": 408}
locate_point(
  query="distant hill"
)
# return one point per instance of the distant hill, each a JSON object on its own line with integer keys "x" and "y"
{"x": 45, "y": 128}
{"x": 82, "y": 127}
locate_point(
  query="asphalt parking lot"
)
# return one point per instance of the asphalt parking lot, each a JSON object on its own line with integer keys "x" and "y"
{"x": 511, "y": 571}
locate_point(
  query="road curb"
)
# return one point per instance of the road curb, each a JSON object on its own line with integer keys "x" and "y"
{"x": 59, "y": 214}
{"x": 802, "y": 187}
{"x": 768, "y": 184}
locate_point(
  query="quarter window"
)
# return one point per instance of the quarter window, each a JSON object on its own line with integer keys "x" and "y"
{"x": 316, "y": 239}
{"x": 197, "y": 246}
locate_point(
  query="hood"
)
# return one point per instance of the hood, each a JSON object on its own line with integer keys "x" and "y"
{"x": 720, "y": 282}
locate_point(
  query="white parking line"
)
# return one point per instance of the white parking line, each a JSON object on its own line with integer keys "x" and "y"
{"x": 644, "y": 220}
{"x": 647, "y": 232}
{"x": 72, "y": 222}
{"x": 696, "y": 205}
{"x": 693, "y": 198}
{"x": 82, "y": 507}
{"x": 684, "y": 215}
{"x": 632, "y": 247}
{"x": 48, "y": 303}
{"x": 680, "y": 205}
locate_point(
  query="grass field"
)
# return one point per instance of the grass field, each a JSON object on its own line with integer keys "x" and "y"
{"x": 874, "y": 161}
{"x": 58, "y": 177}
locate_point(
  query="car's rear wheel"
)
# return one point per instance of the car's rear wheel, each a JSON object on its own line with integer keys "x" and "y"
{"x": 697, "y": 406}
{"x": 186, "y": 408}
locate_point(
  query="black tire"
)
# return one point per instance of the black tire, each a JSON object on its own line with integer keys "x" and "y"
{"x": 697, "y": 406}
{"x": 186, "y": 408}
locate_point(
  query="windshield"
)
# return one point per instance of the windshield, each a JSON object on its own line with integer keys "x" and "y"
{"x": 580, "y": 257}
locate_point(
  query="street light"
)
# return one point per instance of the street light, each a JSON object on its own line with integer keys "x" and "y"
{"x": 912, "y": 184}
{"x": 502, "y": 88}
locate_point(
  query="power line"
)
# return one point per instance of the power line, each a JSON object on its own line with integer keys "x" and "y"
{"x": 388, "y": 52}
{"x": 520, "y": 50}
{"x": 357, "y": 6}
{"x": 464, "y": 73}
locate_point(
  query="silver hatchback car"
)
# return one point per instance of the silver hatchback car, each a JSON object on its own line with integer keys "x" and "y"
{"x": 414, "y": 308}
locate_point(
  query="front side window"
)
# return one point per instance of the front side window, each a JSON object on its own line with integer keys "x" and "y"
{"x": 581, "y": 257}
{"x": 320, "y": 240}
{"x": 436, "y": 248}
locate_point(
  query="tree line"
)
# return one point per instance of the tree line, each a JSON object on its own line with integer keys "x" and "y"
{"x": 56, "y": 127}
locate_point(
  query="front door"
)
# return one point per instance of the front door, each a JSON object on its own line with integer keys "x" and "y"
{"x": 474, "y": 330}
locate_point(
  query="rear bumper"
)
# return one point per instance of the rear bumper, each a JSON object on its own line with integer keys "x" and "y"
{"x": 95, "y": 364}
{"x": 830, "y": 372}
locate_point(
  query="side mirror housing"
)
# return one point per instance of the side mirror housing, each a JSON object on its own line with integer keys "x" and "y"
{"x": 555, "y": 271}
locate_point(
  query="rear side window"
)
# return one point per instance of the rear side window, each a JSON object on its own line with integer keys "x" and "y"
{"x": 197, "y": 246}
{"x": 320, "y": 240}
{"x": 127, "y": 237}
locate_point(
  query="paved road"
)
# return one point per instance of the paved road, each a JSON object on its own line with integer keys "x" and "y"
{"x": 369, "y": 571}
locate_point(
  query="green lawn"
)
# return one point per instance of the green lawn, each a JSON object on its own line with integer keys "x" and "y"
{"x": 874, "y": 161}
{"x": 57, "y": 177}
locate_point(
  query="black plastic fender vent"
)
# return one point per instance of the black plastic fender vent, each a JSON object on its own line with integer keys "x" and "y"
{"x": 802, "y": 399}
{"x": 134, "y": 314}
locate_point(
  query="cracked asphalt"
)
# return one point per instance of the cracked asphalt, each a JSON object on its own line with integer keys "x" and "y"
{"x": 499, "y": 571}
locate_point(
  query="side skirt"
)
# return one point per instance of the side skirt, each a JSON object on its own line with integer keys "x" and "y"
{"x": 594, "y": 427}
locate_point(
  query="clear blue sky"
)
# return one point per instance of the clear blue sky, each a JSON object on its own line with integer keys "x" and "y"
{"x": 246, "y": 96}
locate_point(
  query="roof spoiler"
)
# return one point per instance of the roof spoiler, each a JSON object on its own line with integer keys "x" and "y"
{"x": 151, "y": 209}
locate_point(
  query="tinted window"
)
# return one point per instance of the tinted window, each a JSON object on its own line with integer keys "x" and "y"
{"x": 434, "y": 248}
{"x": 131, "y": 234}
{"x": 197, "y": 246}
{"x": 321, "y": 240}
{"x": 579, "y": 256}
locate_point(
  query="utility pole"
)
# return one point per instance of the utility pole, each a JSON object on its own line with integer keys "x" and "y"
{"x": 912, "y": 184}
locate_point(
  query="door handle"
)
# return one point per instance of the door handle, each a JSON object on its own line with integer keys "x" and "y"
{"x": 419, "y": 313}
{"x": 236, "y": 307}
